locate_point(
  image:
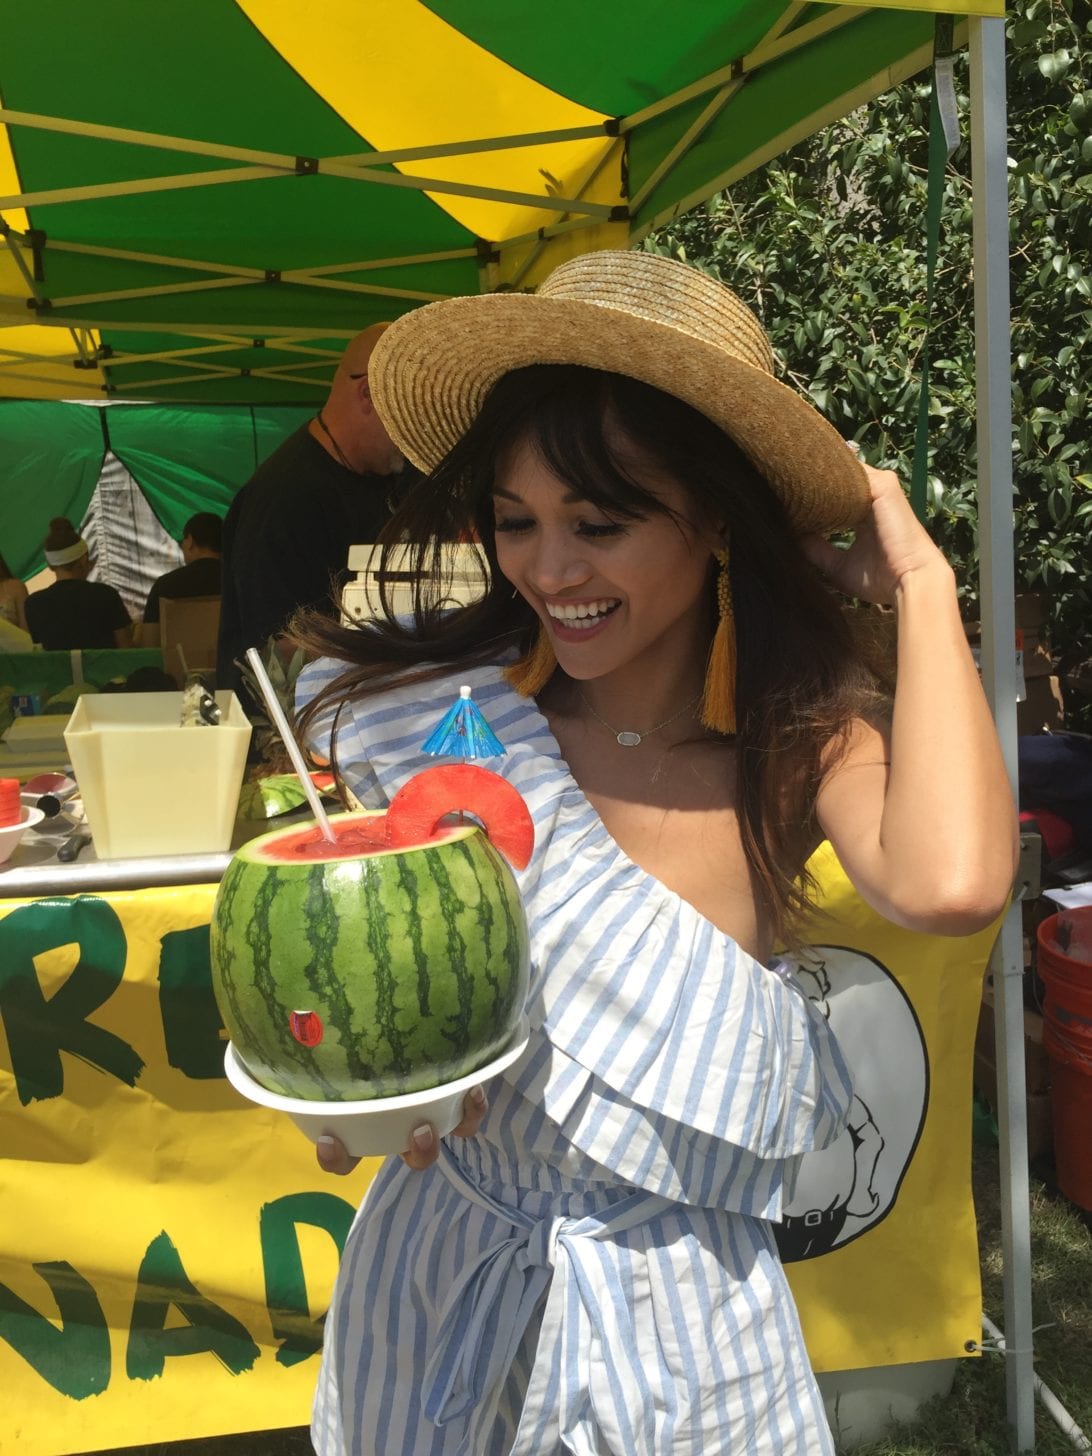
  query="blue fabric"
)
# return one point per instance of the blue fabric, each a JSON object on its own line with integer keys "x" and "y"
{"x": 1056, "y": 773}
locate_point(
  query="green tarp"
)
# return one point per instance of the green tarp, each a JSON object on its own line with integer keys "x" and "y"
{"x": 184, "y": 459}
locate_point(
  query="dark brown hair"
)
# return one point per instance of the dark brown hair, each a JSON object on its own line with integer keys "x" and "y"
{"x": 62, "y": 533}
{"x": 206, "y": 531}
{"x": 801, "y": 675}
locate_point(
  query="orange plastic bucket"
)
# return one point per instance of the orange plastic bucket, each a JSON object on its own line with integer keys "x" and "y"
{"x": 1065, "y": 965}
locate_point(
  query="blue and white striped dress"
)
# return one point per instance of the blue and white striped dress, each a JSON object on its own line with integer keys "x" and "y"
{"x": 595, "y": 1272}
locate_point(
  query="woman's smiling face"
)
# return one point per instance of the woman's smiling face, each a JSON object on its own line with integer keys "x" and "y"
{"x": 611, "y": 590}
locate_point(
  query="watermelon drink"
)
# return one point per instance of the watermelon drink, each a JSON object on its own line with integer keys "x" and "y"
{"x": 389, "y": 961}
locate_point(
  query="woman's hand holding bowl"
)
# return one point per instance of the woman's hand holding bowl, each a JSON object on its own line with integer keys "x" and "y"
{"x": 424, "y": 1145}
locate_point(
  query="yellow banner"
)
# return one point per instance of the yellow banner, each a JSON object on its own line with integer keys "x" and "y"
{"x": 167, "y": 1250}
{"x": 880, "y": 1238}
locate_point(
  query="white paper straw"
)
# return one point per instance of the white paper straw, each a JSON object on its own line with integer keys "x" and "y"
{"x": 280, "y": 722}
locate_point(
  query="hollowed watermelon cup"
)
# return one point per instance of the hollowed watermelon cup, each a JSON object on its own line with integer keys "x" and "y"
{"x": 387, "y": 965}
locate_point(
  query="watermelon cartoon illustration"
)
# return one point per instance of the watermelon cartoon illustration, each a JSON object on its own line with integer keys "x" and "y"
{"x": 392, "y": 960}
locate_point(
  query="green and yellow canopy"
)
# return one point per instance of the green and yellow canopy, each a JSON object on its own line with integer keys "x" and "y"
{"x": 202, "y": 199}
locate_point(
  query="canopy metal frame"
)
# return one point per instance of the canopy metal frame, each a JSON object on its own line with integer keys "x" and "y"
{"x": 567, "y": 214}
{"x": 780, "y": 41}
{"x": 993, "y": 372}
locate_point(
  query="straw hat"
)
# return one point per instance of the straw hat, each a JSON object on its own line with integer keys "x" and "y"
{"x": 649, "y": 317}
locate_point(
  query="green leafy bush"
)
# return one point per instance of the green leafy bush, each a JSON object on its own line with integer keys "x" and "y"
{"x": 828, "y": 245}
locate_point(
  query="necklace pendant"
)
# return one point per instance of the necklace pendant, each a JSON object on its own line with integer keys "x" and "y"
{"x": 629, "y": 740}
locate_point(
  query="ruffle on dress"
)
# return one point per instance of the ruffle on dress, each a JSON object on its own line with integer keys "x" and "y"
{"x": 660, "y": 1051}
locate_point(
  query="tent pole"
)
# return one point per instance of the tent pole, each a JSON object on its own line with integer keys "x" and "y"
{"x": 993, "y": 369}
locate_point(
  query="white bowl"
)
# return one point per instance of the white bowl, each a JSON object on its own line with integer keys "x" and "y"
{"x": 10, "y": 834}
{"x": 382, "y": 1125}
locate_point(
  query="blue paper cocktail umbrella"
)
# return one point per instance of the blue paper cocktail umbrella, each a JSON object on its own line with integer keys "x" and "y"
{"x": 463, "y": 733}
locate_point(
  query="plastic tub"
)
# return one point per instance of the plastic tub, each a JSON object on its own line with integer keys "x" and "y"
{"x": 1065, "y": 965}
{"x": 377, "y": 1126}
{"x": 150, "y": 786}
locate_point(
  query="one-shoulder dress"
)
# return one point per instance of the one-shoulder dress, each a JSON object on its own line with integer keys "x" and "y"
{"x": 595, "y": 1272}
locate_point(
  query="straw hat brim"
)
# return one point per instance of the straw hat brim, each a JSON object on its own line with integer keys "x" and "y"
{"x": 432, "y": 369}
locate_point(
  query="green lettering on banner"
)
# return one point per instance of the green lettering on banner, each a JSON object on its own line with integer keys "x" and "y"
{"x": 74, "y": 1359}
{"x": 191, "y": 1021}
{"x": 285, "y": 1282}
{"x": 161, "y": 1283}
{"x": 38, "y": 1030}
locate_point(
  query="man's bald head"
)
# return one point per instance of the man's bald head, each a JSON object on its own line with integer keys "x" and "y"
{"x": 348, "y": 414}
{"x": 357, "y": 353}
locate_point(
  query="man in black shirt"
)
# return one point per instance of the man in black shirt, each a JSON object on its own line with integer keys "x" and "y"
{"x": 198, "y": 576}
{"x": 74, "y": 612}
{"x": 288, "y": 531}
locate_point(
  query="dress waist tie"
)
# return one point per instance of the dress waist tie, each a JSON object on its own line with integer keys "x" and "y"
{"x": 487, "y": 1310}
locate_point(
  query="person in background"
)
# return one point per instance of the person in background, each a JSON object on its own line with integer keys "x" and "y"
{"x": 198, "y": 576}
{"x": 288, "y": 531}
{"x": 13, "y": 597}
{"x": 74, "y": 612}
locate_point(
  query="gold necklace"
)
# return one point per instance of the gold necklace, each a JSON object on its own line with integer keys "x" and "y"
{"x": 626, "y": 737}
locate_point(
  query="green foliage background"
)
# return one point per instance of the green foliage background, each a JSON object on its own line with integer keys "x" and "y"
{"x": 828, "y": 243}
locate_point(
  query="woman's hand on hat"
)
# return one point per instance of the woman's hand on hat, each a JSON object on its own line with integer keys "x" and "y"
{"x": 886, "y": 548}
{"x": 424, "y": 1145}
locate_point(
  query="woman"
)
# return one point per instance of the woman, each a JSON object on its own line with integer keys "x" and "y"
{"x": 686, "y": 716}
{"x": 74, "y": 612}
{"x": 13, "y": 596}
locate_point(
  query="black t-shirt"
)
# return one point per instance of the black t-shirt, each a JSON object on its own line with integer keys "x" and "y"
{"x": 286, "y": 542}
{"x": 75, "y": 613}
{"x": 200, "y": 578}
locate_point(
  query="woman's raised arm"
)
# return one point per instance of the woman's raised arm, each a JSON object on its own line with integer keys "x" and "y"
{"x": 922, "y": 818}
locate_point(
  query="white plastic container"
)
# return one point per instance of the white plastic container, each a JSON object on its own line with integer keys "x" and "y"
{"x": 150, "y": 786}
{"x": 381, "y": 1125}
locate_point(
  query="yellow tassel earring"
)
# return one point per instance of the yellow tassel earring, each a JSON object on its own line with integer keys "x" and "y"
{"x": 530, "y": 673}
{"x": 718, "y": 703}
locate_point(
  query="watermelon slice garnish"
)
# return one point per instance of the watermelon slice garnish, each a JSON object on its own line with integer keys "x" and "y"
{"x": 416, "y": 811}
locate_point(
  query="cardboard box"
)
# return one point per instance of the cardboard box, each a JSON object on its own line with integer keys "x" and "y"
{"x": 1031, "y": 610}
{"x": 1036, "y": 1069}
{"x": 1036, "y": 1061}
{"x": 1032, "y": 641}
{"x": 1043, "y": 708}
{"x": 1038, "y": 660}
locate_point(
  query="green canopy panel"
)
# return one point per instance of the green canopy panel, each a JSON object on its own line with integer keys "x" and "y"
{"x": 184, "y": 459}
{"x": 50, "y": 459}
{"x": 202, "y": 201}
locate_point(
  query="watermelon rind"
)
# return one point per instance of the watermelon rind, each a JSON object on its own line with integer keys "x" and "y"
{"x": 274, "y": 794}
{"x": 415, "y": 961}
